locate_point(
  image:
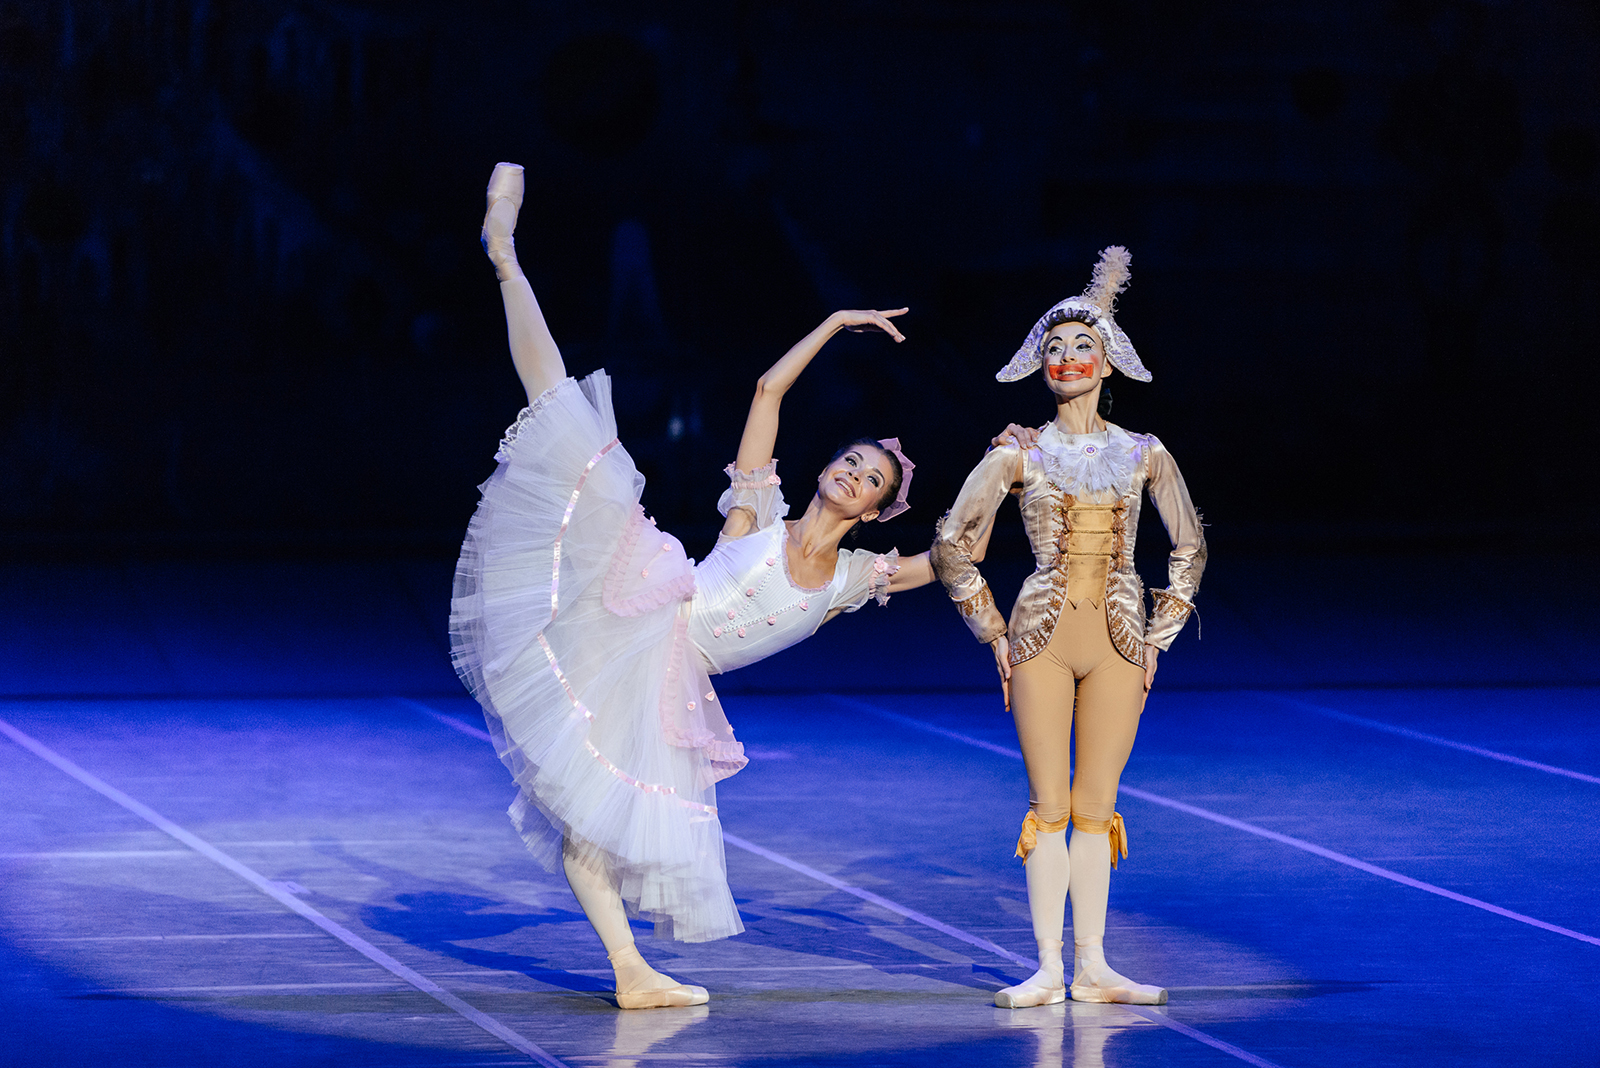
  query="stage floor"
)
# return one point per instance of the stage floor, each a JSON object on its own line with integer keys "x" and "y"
{"x": 1383, "y": 875}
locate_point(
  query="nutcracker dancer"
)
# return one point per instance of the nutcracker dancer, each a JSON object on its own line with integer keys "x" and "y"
{"x": 1078, "y": 655}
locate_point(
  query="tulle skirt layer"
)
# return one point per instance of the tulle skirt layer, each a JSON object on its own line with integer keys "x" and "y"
{"x": 572, "y": 680}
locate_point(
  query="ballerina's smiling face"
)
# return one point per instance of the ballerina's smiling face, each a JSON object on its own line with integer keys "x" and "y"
{"x": 1074, "y": 359}
{"x": 856, "y": 481}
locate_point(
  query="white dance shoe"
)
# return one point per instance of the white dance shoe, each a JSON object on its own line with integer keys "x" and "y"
{"x": 504, "y": 194}
{"x": 1046, "y": 986}
{"x": 1094, "y": 980}
{"x": 640, "y": 986}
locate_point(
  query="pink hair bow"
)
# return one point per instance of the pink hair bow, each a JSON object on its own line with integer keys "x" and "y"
{"x": 906, "y": 467}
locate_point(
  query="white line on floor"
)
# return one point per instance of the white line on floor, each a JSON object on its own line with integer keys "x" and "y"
{"x": 244, "y": 988}
{"x": 282, "y": 897}
{"x": 167, "y": 937}
{"x": 1248, "y": 828}
{"x": 899, "y": 909}
{"x": 981, "y": 943}
{"x": 304, "y": 843}
{"x": 607, "y": 973}
{"x": 101, "y": 854}
{"x": 449, "y": 721}
{"x": 882, "y": 902}
{"x": 1433, "y": 739}
{"x": 1359, "y": 865}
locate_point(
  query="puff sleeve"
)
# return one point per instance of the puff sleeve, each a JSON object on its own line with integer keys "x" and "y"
{"x": 867, "y": 576}
{"x": 756, "y": 490}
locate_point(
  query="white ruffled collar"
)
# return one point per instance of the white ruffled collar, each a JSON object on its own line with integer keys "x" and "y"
{"x": 1087, "y": 465}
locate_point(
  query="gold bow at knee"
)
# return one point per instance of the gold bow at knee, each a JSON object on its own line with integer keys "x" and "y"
{"x": 1114, "y": 829}
{"x": 1031, "y": 826}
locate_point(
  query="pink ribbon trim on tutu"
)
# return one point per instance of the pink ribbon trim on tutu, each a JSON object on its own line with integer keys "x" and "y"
{"x": 638, "y": 784}
{"x": 689, "y": 719}
{"x": 566, "y": 520}
{"x": 555, "y": 665}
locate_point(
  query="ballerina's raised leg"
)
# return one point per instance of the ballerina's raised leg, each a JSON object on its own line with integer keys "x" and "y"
{"x": 533, "y": 349}
{"x": 539, "y": 366}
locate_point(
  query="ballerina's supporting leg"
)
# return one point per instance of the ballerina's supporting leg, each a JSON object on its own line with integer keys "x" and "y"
{"x": 533, "y": 349}
{"x": 638, "y": 985}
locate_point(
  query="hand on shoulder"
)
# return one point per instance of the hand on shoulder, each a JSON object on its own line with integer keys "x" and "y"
{"x": 1024, "y": 437}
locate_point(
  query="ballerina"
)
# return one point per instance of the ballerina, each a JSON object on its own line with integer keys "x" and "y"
{"x": 1078, "y": 652}
{"x": 588, "y": 636}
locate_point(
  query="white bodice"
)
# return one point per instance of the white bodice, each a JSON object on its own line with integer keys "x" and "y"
{"x": 746, "y": 606}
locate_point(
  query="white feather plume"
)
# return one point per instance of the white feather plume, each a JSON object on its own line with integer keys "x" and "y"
{"x": 1111, "y": 277}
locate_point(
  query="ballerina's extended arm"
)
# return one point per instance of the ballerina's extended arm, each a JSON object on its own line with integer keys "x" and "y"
{"x": 761, "y": 425}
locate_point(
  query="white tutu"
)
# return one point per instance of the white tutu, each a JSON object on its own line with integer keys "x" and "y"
{"x": 567, "y": 624}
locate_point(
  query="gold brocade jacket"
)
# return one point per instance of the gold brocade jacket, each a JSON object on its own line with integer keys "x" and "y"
{"x": 1140, "y": 465}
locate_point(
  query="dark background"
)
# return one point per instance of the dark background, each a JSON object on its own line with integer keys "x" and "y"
{"x": 243, "y": 308}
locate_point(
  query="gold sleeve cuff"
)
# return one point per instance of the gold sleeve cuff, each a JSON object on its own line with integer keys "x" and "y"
{"x": 1168, "y": 615}
{"x": 977, "y": 602}
{"x": 981, "y": 616}
{"x": 1172, "y": 606}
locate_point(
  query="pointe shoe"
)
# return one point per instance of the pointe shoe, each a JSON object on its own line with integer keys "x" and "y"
{"x": 680, "y": 996}
{"x": 1043, "y": 987}
{"x": 505, "y": 184}
{"x": 1034, "y": 991}
{"x": 1095, "y": 981}
{"x": 640, "y": 986}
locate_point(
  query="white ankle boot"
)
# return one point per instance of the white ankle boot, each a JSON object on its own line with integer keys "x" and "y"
{"x": 1094, "y": 980}
{"x": 1047, "y": 986}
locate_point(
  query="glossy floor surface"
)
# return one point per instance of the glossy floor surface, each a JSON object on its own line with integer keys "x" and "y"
{"x": 244, "y": 820}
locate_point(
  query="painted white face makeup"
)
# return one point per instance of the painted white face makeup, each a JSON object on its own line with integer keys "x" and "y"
{"x": 1074, "y": 359}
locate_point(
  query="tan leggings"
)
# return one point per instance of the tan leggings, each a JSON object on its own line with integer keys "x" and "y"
{"x": 1079, "y": 663}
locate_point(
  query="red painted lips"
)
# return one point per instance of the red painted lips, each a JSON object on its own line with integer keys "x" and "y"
{"x": 1066, "y": 372}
